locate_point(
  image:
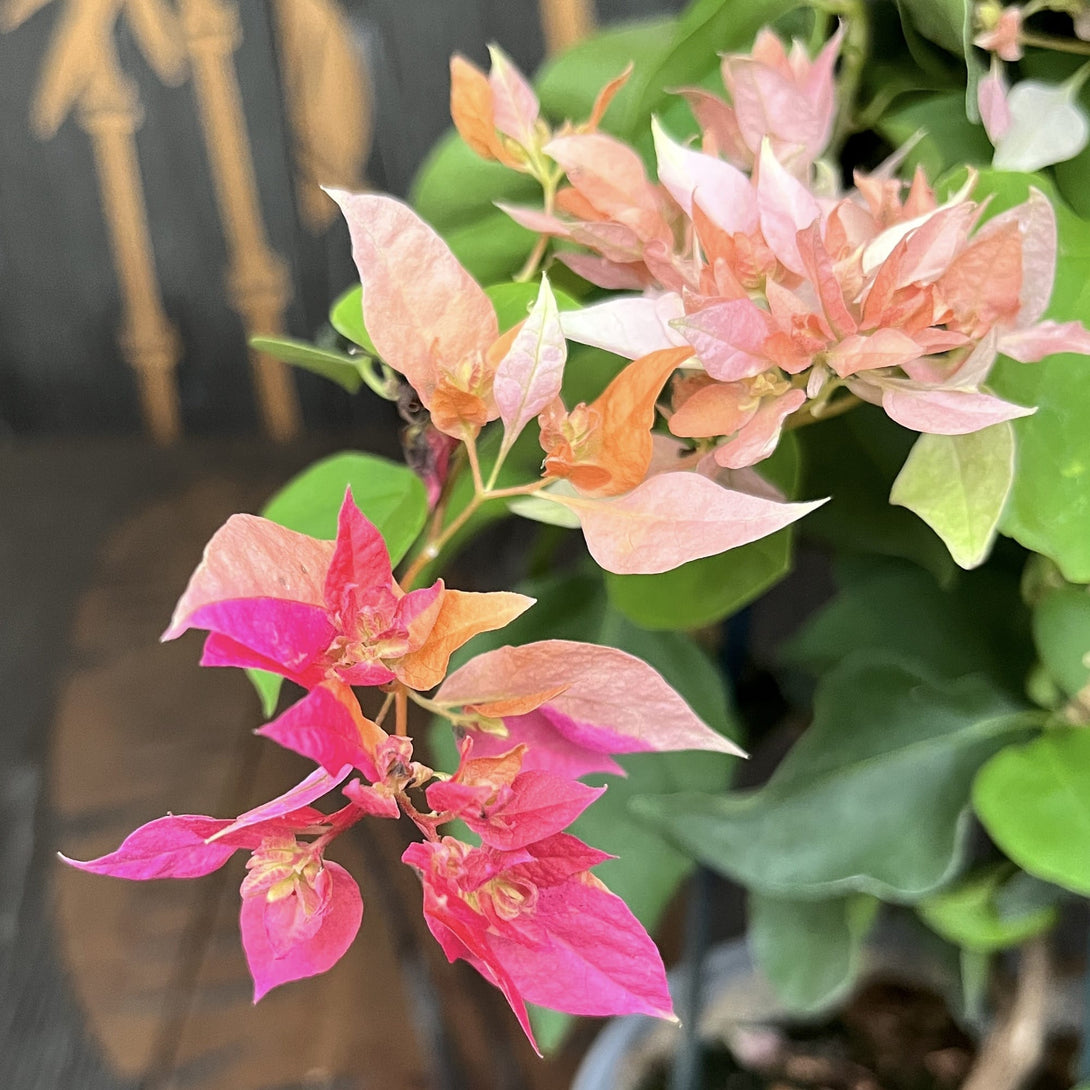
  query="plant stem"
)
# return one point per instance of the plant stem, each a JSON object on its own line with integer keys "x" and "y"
{"x": 855, "y": 52}
{"x": 1012, "y": 1050}
{"x": 1059, "y": 45}
{"x": 401, "y": 712}
{"x": 549, "y": 183}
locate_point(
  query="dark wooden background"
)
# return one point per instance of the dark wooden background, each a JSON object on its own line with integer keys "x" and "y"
{"x": 60, "y": 368}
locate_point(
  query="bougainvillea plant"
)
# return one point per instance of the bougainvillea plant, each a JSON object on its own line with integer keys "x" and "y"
{"x": 823, "y": 271}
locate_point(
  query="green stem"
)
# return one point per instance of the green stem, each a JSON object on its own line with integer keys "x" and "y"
{"x": 549, "y": 182}
{"x": 854, "y": 54}
{"x": 1060, "y": 45}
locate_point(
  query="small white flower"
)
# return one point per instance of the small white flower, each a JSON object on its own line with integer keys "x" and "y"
{"x": 1047, "y": 125}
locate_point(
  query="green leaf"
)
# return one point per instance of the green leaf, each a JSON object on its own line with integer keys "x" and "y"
{"x": 704, "y": 591}
{"x": 335, "y": 366}
{"x": 946, "y": 22}
{"x": 811, "y": 951}
{"x": 1049, "y": 508}
{"x": 1061, "y": 630}
{"x": 958, "y": 485}
{"x": 978, "y": 625}
{"x": 455, "y": 187}
{"x": 513, "y": 301}
{"x": 1034, "y": 801}
{"x": 949, "y": 23}
{"x": 973, "y": 914}
{"x": 705, "y": 29}
{"x": 568, "y": 84}
{"x": 268, "y": 689}
{"x": 890, "y": 749}
{"x": 491, "y": 248}
{"x": 346, "y": 317}
{"x": 950, "y": 139}
{"x": 854, "y": 458}
{"x": 389, "y": 494}
{"x": 454, "y": 191}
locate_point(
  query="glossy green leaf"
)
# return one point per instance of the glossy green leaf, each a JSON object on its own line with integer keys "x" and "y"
{"x": 568, "y": 84}
{"x": 335, "y": 366}
{"x": 1034, "y": 801}
{"x": 811, "y": 951}
{"x": 513, "y": 301}
{"x": 705, "y": 29}
{"x": 855, "y": 458}
{"x": 1061, "y": 630}
{"x": 455, "y": 187}
{"x": 491, "y": 248}
{"x": 1049, "y": 508}
{"x": 454, "y": 191}
{"x": 978, "y": 625}
{"x": 958, "y": 485}
{"x": 975, "y": 915}
{"x": 346, "y": 317}
{"x": 389, "y": 494}
{"x": 890, "y": 750}
{"x": 704, "y": 591}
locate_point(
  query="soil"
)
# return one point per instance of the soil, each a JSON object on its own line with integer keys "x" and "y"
{"x": 891, "y": 1036}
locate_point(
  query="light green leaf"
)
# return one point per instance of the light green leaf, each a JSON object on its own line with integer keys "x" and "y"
{"x": 389, "y": 494}
{"x": 1061, "y": 630}
{"x": 346, "y": 317}
{"x": 492, "y": 247}
{"x": 974, "y": 915}
{"x": 706, "y": 29}
{"x": 538, "y": 509}
{"x": 335, "y": 366}
{"x": 513, "y": 301}
{"x": 854, "y": 458}
{"x": 811, "y": 951}
{"x": 568, "y": 84}
{"x": 455, "y": 187}
{"x": 268, "y": 689}
{"x": 1049, "y": 508}
{"x": 1034, "y": 801}
{"x": 890, "y": 749}
{"x": 958, "y": 485}
{"x": 704, "y": 591}
{"x": 945, "y": 22}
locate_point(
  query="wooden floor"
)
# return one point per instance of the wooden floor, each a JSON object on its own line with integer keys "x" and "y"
{"x": 105, "y": 984}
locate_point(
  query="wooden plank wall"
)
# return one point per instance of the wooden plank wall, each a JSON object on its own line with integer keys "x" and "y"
{"x": 158, "y": 161}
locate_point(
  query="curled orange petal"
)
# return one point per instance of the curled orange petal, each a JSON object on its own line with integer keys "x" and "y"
{"x": 605, "y": 448}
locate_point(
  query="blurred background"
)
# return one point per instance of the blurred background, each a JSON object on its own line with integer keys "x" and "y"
{"x": 159, "y": 205}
